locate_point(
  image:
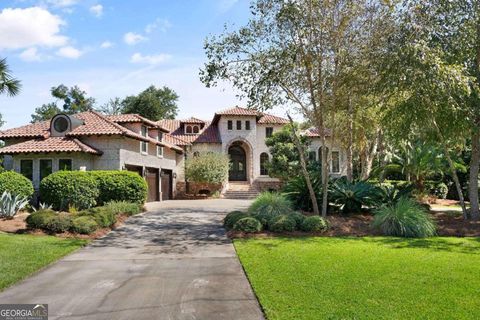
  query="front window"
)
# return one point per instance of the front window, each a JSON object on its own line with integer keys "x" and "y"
{"x": 26, "y": 168}
{"x": 247, "y": 125}
{"x": 230, "y": 124}
{"x": 335, "y": 161}
{"x": 45, "y": 168}
{"x": 263, "y": 163}
{"x": 239, "y": 125}
{"x": 65, "y": 164}
{"x": 144, "y": 144}
{"x": 159, "y": 151}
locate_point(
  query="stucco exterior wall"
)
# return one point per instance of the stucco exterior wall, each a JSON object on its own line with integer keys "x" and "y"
{"x": 316, "y": 143}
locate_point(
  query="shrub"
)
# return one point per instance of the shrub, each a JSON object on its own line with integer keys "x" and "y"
{"x": 16, "y": 184}
{"x": 297, "y": 192}
{"x": 57, "y": 223}
{"x": 247, "y": 224}
{"x": 232, "y": 217}
{"x": 64, "y": 189}
{"x": 102, "y": 215}
{"x": 314, "y": 224}
{"x": 37, "y": 220}
{"x": 84, "y": 225}
{"x": 351, "y": 196}
{"x": 209, "y": 167}
{"x": 124, "y": 207}
{"x": 269, "y": 205}
{"x": 282, "y": 223}
{"x": 388, "y": 194}
{"x": 120, "y": 186}
{"x": 438, "y": 189}
{"x": 298, "y": 217}
{"x": 404, "y": 219}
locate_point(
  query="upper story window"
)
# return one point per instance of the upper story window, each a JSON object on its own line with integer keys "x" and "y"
{"x": 189, "y": 129}
{"x": 268, "y": 132}
{"x": 160, "y": 136}
{"x": 160, "y": 151}
{"x": 26, "y": 168}
{"x": 239, "y": 125}
{"x": 144, "y": 144}
{"x": 61, "y": 124}
{"x": 196, "y": 129}
{"x": 230, "y": 125}
{"x": 247, "y": 125}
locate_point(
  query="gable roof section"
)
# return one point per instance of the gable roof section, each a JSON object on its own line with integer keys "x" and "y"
{"x": 48, "y": 145}
{"x": 314, "y": 133}
{"x": 262, "y": 118}
{"x": 209, "y": 133}
{"x": 134, "y": 118}
{"x": 193, "y": 120}
{"x": 238, "y": 111}
{"x": 271, "y": 119}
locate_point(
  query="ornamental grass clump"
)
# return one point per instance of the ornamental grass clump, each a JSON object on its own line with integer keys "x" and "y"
{"x": 404, "y": 219}
{"x": 268, "y": 205}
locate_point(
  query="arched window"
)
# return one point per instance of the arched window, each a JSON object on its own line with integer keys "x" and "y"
{"x": 188, "y": 129}
{"x": 195, "y": 129}
{"x": 263, "y": 162}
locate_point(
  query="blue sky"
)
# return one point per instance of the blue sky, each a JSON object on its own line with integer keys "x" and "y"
{"x": 113, "y": 48}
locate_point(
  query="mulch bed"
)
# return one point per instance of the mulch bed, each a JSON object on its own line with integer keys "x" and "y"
{"x": 360, "y": 226}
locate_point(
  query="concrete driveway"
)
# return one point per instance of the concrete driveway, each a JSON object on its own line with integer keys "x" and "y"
{"x": 173, "y": 262}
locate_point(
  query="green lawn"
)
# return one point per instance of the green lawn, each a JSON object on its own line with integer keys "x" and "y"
{"x": 364, "y": 278}
{"x": 21, "y": 255}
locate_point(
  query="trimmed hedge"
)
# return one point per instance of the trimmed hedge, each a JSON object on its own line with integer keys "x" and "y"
{"x": 103, "y": 216}
{"x": 120, "y": 186}
{"x": 282, "y": 223}
{"x": 38, "y": 219}
{"x": 124, "y": 207}
{"x": 84, "y": 225}
{"x": 232, "y": 218}
{"x": 16, "y": 184}
{"x": 85, "y": 189}
{"x": 248, "y": 224}
{"x": 314, "y": 224}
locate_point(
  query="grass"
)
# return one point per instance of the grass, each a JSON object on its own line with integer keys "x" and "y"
{"x": 22, "y": 255}
{"x": 364, "y": 278}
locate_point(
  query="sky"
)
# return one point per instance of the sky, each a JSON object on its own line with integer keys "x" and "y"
{"x": 114, "y": 48}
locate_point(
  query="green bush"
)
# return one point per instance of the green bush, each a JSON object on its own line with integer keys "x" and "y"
{"x": 351, "y": 196}
{"x": 232, "y": 217}
{"x": 120, "y": 186}
{"x": 269, "y": 205}
{"x": 438, "y": 189}
{"x": 298, "y": 217}
{"x": 16, "y": 184}
{"x": 404, "y": 219}
{"x": 247, "y": 224}
{"x": 207, "y": 167}
{"x": 314, "y": 224}
{"x": 102, "y": 215}
{"x": 296, "y": 191}
{"x": 38, "y": 219}
{"x": 124, "y": 207}
{"x": 84, "y": 225}
{"x": 64, "y": 189}
{"x": 58, "y": 223}
{"x": 282, "y": 223}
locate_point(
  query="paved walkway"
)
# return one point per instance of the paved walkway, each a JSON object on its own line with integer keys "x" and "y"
{"x": 173, "y": 262}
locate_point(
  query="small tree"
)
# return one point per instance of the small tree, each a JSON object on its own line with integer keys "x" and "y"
{"x": 207, "y": 167}
{"x": 152, "y": 103}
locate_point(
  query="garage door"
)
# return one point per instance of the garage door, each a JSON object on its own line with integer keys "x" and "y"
{"x": 166, "y": 184}
{"x": 152, "y": 182}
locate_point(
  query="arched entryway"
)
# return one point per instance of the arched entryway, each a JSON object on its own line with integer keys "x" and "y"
{"x": 238, "y": 163}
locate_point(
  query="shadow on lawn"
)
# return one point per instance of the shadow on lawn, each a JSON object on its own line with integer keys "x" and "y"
{"x": 459, "y": 245}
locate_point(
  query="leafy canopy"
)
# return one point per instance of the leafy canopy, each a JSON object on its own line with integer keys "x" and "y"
{"x": 153, "y": 103}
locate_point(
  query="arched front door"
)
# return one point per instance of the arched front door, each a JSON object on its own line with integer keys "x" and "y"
{"x": 238, "y": 164}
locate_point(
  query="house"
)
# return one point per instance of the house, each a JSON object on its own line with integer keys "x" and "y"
{"x": 156, "y": 150}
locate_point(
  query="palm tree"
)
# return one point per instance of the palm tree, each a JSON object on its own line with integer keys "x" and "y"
{"x": 8, "y": 84}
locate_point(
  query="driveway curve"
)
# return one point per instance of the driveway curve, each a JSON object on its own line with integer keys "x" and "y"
{"x": 173, "y": 262}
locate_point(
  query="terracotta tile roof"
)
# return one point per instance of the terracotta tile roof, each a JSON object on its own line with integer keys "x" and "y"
{"x": 175, "y": 140}
{"x": 314, "y": 133}
{"x": 193, "y": 120}
{"x": 271, "y": 119}
{"x": 209, "y": 133}
{"x": 38, "y": 129}
{"x": 52, "y": 144}
{"x": 133, "y": 118}
{"x": 238, "y": 111}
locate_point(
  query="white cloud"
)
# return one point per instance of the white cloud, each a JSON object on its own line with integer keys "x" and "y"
{"x": 132, "y": 38}
{"x": 25, "y": 28}
{"x": 30, "y": 54}
{"x": 97, "y": 10}
{"x": 106, "y": 44}
{"x": 161, "y": 24}
{"x": 62, "y": 3}
{"x": 69, "y": 52}
{"x": 150, "y": 59}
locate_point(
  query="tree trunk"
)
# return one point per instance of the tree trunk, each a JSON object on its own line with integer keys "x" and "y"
{"x": 473, "y": 179}
{"x": 367, "y": 161}
{"x": 303, "y": 163}
{"x": 381, "y": 156}
{"x": 350, "y": 142}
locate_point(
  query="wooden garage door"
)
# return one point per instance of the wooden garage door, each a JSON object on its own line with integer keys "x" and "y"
{"x": 166, "y": 184}
{"x": 152, "y": 182}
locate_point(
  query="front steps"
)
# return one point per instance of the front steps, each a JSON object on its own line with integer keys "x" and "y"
{"x": 240, "y": 190}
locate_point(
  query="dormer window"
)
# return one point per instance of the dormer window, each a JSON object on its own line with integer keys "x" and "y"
{"x": 61, "y": 124}
{"x": 195, "y": 129}
{"x": 192, "y": 129}
{"x": 188, "y": 129}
